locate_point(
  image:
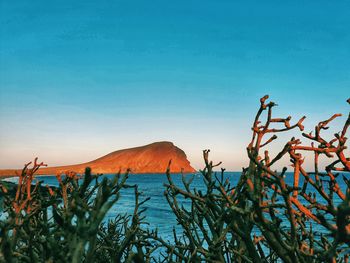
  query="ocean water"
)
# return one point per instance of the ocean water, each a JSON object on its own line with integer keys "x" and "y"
{"x": 158, "y": 213}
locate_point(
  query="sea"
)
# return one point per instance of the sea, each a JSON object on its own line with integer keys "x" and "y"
{"x": 158, "y": 212}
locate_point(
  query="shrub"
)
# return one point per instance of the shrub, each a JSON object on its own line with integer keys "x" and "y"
{"x": 66, "y": 223}
{"x": 263, "y": 218}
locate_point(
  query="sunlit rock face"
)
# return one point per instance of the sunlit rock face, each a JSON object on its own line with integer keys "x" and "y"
{"x": 151, "y": 158}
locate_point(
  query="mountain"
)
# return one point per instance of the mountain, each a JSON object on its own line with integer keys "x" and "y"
{"x": 151, "y": 158}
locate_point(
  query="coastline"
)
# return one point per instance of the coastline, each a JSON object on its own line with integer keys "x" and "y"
{"x": 159, "y": 173}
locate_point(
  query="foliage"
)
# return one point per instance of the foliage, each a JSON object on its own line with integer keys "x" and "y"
{"x": 66, "y": 224}
{"x": 265, "y": 217}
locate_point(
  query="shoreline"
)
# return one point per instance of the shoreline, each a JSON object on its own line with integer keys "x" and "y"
{"x": 138, "y": 173}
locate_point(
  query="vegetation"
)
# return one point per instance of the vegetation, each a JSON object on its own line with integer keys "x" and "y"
{"x": 262, "y": 218}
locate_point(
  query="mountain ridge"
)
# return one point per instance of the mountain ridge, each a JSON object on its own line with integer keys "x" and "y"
{"x": 150, "y": 158}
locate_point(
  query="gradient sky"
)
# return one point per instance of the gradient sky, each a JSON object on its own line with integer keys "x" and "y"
{"x": 79, "y": 79}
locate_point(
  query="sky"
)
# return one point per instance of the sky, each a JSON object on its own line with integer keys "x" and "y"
{"x": 79, "y": 79}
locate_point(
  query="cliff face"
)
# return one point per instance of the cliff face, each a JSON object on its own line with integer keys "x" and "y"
{"x": 152, "y": 158}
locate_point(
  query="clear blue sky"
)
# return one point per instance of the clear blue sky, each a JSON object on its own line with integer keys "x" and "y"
{"x": 79, "y": 79}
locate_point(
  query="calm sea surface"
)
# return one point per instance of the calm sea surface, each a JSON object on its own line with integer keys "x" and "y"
{"x": 158, "y": 212}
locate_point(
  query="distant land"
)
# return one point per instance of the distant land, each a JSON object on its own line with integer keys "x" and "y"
{"x": 151, "y": 158}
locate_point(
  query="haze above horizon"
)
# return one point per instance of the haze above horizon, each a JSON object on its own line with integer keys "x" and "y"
{"x": 79, "y": 80}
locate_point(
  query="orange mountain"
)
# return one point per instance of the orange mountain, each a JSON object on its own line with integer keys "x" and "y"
{"x": 151, "y": 158}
